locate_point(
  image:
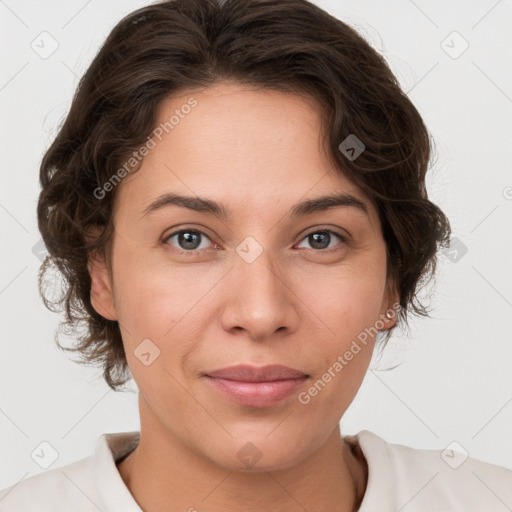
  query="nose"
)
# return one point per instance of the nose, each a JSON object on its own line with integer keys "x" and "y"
{"x": 260, "y": 299}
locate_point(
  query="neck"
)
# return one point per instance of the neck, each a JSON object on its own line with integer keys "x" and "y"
{"x": 161, "y": 473}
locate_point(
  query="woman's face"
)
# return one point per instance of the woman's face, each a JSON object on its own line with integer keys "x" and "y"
{"x": 269, "y": 283}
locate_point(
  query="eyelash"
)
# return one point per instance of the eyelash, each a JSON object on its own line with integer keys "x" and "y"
{"x": 198, "y": 251}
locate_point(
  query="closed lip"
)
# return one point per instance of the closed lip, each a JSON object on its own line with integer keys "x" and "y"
{"x": 249, "y": 373}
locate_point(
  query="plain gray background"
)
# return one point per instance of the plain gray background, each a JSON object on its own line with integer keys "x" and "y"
{"x": 453, "y": 382}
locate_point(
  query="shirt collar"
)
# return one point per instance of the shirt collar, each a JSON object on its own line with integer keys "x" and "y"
{"x": 113, "y": 493}
{"x": 380, "y": 491}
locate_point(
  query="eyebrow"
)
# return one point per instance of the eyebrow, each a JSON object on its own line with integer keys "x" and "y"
{"x": 203, "y": 205}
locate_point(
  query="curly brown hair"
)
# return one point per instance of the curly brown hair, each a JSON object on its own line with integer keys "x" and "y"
{"x": 175, "y": 45}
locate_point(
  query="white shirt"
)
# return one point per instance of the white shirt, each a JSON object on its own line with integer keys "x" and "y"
{"x": 400, "y": 478}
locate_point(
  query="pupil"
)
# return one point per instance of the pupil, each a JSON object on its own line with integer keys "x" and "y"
{"x": 188, "y": 240}
{"x": 316, "y": 240}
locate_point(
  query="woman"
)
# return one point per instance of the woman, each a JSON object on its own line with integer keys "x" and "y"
{"x": 237, "y": 202}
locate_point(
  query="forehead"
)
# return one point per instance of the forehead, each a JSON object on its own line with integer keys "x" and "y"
{"x": 232, "y": 121}
{"x": 237, "y": 144}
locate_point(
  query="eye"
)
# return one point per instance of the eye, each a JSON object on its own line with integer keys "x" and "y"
{"x": 322, "y": 239}
{"x": 188, "y": 240}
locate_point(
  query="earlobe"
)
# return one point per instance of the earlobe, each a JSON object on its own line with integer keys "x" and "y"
{"x": 102, "y": 297}
{"x": 390, "y": 315}
{"x": 390, "y": 318}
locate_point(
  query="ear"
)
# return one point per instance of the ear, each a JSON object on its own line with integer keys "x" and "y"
{"x": 390, "y": 306}
{"x": 102, "y": 297}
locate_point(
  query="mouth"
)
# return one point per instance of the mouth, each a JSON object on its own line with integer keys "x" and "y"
{"x": 257, "y": 386}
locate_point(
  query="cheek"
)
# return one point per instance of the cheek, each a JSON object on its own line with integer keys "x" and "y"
{"x": 345, "y": 301}
{"x": 161, "y": 302}
{"x": 152, "y": 294}
{"x": 346, "y": 305}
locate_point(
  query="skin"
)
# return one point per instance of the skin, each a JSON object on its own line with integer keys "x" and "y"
{"x": 258, "y": 152}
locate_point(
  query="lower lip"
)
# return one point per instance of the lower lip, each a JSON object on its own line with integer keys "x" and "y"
{"x": 257, "y": 394}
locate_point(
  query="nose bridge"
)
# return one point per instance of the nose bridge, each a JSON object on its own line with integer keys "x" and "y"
{"x": 260, "y": 302}
{"x": 257, "y": 268}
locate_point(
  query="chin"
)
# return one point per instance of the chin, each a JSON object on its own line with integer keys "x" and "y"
{"x": 262, "y": 452}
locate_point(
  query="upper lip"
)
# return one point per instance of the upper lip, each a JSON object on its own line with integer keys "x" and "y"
{"x": 248, "y": 373}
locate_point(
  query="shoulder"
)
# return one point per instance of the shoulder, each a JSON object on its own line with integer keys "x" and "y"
{"x": 71, "y": 485}
{"x": 87, "y": 485}
{"x": 432, "y": 480}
